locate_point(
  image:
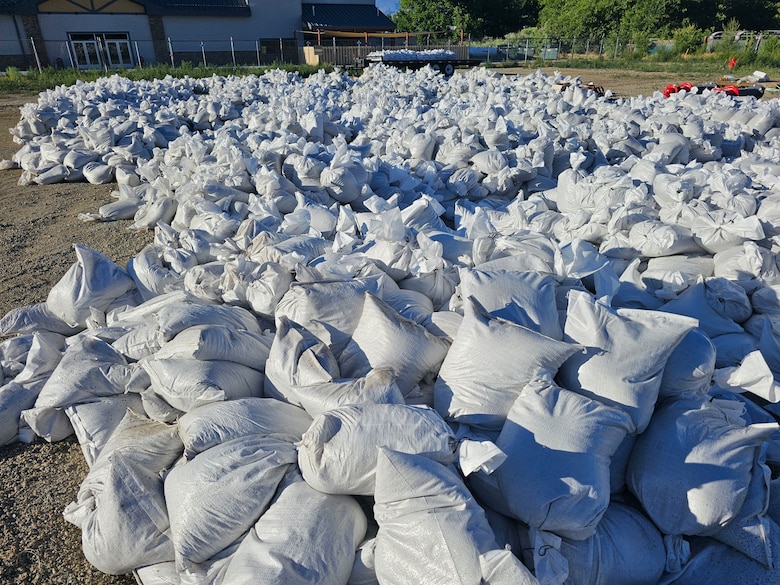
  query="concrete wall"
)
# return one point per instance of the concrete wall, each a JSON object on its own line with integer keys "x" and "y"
{"x": 55, "y": 28}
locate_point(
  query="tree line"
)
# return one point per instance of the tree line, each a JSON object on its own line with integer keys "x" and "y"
{"x": 583, "y": 18}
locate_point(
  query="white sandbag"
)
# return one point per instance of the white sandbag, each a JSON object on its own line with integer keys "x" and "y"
{"x": 490, "y": 361}
{"x": 98, "y": 173}
{"x": 89, "y": 369}
{"x": 340, "y": 184}
{"x": 438, "y": 284}
{"x": 693, "y": 303}
{"x": 218, "y": 342}
{"x": 714, "y": 562}
{"x": 558, "y": 446}
{"x": 376, "y": 387}
{"x": 150, "y": 274}
{"x": 42, "y": 359}
{"x": 410, "y": 304}
{"x": 626, "y": 548}
{"x": 332, "y": 528}
{"x": 337, "y": 455}
{"x": 731, "y": 349}
{"x": 431, "y": 530}
{"x": 384, "y": 339}
{"x": 119, "y": 530}
{"x": 655, "y": 238}
{"x": 720, "y": 230}
{"x": 748, "y": 265}
{"x": 297, "y": 358}
{"x": 31, "y": 318}
{"x": 176, "y": 317}
{"x": 14, "y": 398}
{"x": 624, "y": 355}
{"x": 752, "y": 531}
{"x": 633, "y": 292}
{"x": 289, "y": 252}
{"x": 157, "y": 408}
{"x": 363, "y": 570}
{"x": 94, "y": 421}
{"x": 444, "y": 324}
{"x": 216, "y": 497}
{"x": 729, "y": 299}
{"x": 328, "y": 309}
{"x": 766, "y": 299}
{"x": 212, "y": 424}
{"x": 525, "y": 298}
{"x": 668, "y": 189}
{"x": 264, "y": 292}
{"x": 691, "y": 467}
{"x": 690, "y": 366}
{"x": 139, "y": 341}
{"x": 161, "y": 209}
{"x": 187, "y": 383}
{"x": 92, "y": 281}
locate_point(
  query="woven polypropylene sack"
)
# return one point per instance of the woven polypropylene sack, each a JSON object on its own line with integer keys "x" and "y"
{"x": 431, "y": 530}
{"x": 624, "y": 356}
{"x": 338, "y": 453}
{"x": 303, "y": 537}
{"x": 489, "y": 362}
{"x": 558, "y": 445}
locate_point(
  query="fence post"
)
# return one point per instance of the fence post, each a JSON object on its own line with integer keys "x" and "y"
{"x": 70, "y": 56}
{"x": 138, "y": 54}
{"x": 101, "y": 55}
{"x": 617, "y": 40}
{"x": 257, "y": 51}
{"x": 170, "y": 51}
{"x": 37, "y": 58}
{"x": 281, "y": 50}
{"x": 233, "y": 51}
{"x": 203, "y": 54}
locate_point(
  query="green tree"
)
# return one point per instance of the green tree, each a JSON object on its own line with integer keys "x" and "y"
{"x": 430, "y": 15}
{"x": 580, "y": 18}
{"x": 477, "y": 18}
{"x": 651, "y": 18}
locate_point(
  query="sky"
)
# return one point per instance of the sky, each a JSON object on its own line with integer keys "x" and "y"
{"x": 387, "y": 6}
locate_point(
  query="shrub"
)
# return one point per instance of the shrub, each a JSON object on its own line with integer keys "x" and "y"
{"x": 687, "y": 40}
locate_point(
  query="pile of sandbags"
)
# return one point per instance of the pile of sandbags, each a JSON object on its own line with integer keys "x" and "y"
{"x": 461, "y": 330}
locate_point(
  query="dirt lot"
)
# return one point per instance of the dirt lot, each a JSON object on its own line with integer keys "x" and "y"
{"x": 38, "y": 227}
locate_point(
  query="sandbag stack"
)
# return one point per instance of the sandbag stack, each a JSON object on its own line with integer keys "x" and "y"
{"x": 462, "y": 330}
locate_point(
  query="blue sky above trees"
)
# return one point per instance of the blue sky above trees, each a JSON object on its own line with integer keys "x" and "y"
{"x": 387, "y": 6}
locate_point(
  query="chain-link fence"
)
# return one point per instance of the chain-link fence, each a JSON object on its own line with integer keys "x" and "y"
{"x": 117, "y": 50}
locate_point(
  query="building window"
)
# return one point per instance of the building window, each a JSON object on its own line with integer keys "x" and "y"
{"x": 95, "y": 50}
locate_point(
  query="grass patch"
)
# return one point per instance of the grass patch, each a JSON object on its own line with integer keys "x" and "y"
{"x": 14, "y": 81}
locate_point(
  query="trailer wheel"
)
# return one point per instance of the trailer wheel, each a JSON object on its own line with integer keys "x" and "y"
{"x": 449, "y": 69}
{"x": 436, "y": 67}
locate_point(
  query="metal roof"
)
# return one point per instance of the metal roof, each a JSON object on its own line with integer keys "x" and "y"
{"x": 153, "y": 7}
{"x": 18, "y": 7}
{"x": 346, "y": 17}
{"x": 196, "y": 7}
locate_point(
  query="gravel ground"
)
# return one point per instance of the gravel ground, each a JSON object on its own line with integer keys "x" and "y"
{"x": 38, "y": 227}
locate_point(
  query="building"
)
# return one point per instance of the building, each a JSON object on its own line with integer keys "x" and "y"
{"x": 125, "y": 33}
